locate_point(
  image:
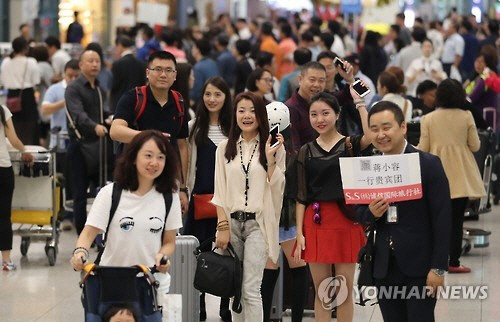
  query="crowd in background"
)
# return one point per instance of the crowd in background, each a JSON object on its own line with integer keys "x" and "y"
{"x": 287, "y": 60}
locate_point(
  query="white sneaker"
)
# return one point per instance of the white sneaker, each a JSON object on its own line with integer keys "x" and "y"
{"x": 8, "y": 266}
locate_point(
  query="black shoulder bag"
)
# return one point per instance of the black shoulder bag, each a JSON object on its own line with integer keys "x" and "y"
{"x": 219, "y": 275}
{"x": 365, "y": 261}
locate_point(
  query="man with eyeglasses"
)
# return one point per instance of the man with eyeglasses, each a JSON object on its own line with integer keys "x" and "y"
{"x": 160, "y": 112}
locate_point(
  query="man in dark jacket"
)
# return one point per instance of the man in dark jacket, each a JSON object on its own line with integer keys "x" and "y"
{"x": 412, "y": 237}
{"x": 128, "y": 72}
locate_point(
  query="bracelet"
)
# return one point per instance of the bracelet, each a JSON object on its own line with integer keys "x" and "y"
{"x": 359, "y": 101}
{"x": 220, "y": 222}
{"x": 359, "y": 105}
{"x": 81, "y": 250}
{"x": 272, "y": 163}
{"x": 222, "y": 228}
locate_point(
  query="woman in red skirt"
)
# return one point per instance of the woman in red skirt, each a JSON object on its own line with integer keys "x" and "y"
{"x": 325, "y": 233}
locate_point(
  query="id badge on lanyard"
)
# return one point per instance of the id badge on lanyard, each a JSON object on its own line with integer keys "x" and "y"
{"x": 392, "y": 214}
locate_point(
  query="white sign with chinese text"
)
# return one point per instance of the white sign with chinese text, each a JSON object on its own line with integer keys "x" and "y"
{"x": 395, "y": 177}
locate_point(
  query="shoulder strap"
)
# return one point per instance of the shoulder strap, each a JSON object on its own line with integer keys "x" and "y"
{"x": 348, "y": 146}
{"x": 180, "y": 107}
{"x": 140, "y": 101}
{"x": 115, "y": 200}
{"x": 167, "y": 196}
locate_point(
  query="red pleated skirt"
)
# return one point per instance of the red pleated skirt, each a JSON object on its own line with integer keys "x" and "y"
{"x": 336, "y": 240}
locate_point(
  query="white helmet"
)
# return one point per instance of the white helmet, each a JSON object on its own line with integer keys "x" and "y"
{"x": 278, "y": 113}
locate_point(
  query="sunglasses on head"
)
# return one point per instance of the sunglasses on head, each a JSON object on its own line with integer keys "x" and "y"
{"x": 317, "y": 216}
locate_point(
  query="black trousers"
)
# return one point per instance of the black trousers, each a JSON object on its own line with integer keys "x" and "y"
{"x": 80, "y": 182}
{"x": 404, "y": 308}
{"x": 457, "y": 225}
{"x": 6, "y": 192}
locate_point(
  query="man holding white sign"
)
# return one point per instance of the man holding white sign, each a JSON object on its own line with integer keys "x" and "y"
{"x": 412, "y": 236}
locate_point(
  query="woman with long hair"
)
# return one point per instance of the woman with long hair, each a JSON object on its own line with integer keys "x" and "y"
{"x": 7, "y": 131}
{"x": 20, "y": 75}
{"x": 210, "y": 126}
{"x": 326, "y": 232}
{"x": 249, "y": 185}
{"x": 142, "y": 230}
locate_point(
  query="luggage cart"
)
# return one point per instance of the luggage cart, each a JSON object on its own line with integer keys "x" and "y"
{"x": 35, "y": 203}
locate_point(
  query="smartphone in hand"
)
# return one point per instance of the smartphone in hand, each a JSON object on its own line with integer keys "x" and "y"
{"x": 274, "y": 131}
{"x": 360, "y": 89}
{"x": 339, "y": 62}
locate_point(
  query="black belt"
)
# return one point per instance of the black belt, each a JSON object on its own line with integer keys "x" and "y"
{"x": 243, "y": 216}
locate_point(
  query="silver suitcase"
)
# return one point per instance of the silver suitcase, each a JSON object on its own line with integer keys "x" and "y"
{"x": 182, "y": 277}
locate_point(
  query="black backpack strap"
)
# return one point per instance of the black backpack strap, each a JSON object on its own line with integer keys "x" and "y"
{"x": 115, "y": 200}
{"x": 167, "y": 196}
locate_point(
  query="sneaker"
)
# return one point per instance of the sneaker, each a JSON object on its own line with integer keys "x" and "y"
{"x": 8, "y": 266}
{"x": 66, "y": 225}
{"x": 458, "y": 269}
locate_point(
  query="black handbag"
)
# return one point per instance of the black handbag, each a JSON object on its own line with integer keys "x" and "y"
{"x": 219, "y": 275}
{"x": 91, "y": 155}
{"x": 365, "y": 261}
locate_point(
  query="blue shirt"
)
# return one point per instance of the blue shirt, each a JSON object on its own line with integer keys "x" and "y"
{"x": 285, "y": 89}
{"x": 54, "y": 94}
{"x": 149, "y": 47}
{"x": 227, "y": 66}
{"x": 202, "y": 70}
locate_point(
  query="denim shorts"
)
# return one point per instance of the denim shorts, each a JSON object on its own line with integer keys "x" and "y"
{"x": 285, "y": 235}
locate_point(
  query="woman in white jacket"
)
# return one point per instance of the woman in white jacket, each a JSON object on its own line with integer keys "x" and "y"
{"x": 249, "y": 185}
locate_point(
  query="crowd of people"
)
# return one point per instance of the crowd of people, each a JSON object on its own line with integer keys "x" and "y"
{"x": 186, "y": 112}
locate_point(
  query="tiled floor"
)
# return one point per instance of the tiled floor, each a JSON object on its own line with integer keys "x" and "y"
{"x": 37, "y": 292}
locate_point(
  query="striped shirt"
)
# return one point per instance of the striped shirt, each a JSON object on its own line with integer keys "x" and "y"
{"x": 215, "y": 134}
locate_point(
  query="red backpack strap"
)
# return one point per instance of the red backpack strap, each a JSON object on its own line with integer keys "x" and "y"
{"x": 140, "y": 101}
{"x": 180, "y": 107}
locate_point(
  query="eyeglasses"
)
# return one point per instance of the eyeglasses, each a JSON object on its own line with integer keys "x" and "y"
{"x": 160, "y": 70}
{"x": 269, "y": 80}
{"x": 317, "y": 216}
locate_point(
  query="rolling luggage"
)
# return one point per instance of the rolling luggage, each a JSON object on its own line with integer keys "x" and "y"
{"x": 485, "y": 158}
{"x": 182, "y": 277}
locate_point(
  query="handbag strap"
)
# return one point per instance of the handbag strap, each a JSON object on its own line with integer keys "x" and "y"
{"x": 24, "y": 77}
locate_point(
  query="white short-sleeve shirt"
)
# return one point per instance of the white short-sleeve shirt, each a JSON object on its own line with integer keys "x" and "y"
{"x": 4, "y": 153}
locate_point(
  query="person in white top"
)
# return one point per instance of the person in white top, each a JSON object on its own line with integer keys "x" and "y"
{"x": 58, "y": 57}
{"x": 391, "y": 89}
{"x": 453, "y": 49}
{"x": 423, "y": 68}
{"x": 7, "y": 131}
{"x": 19, "y": 75}
{"x": 249, "y": 185}
{"x": 141, "y": 231}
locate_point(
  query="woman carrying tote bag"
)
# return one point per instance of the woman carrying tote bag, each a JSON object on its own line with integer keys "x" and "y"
{"x": 19, "y": 75}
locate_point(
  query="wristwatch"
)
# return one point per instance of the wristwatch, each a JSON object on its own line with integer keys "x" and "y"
{"x": 438, "y": 272}
{"x": 185, "y": 189}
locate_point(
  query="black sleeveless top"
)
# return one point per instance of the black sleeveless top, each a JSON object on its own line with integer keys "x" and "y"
{"x": 318, "y": 171}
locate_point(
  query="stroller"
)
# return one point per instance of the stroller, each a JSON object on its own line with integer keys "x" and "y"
{"x": 107, "y": 286}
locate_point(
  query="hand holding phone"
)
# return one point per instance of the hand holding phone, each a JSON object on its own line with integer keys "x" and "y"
{"x": 274, "y": 132}
{"x": 360, "y": 89}
{"x": 339, "y": 62}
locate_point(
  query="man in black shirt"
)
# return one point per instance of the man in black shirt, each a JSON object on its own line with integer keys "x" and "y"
{"x": 83, "y": 103}
{"x": 127, "y": 71}
{"x": 160, "y": 112}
